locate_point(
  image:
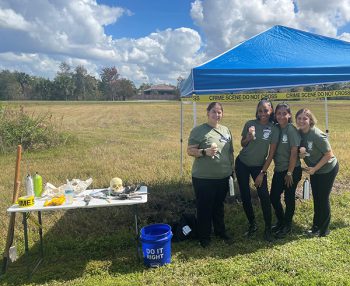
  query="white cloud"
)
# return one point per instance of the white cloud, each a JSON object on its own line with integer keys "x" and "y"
{"x": 225, "y": 23}
{"x": 36, "y": 36}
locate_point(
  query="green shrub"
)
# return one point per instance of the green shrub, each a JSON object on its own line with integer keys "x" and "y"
{"x": 33, "y": 132}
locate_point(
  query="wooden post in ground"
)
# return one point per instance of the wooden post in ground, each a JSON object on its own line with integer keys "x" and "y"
{"x": 11, "y": 228}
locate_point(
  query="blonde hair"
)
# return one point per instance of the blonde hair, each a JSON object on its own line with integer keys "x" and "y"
{"x": 309, "y": 114}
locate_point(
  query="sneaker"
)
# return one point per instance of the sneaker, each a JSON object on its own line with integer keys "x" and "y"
{"x": 277, "y": 227}
{"x": 268, "y": 235}
{"x": 204, "y": 243}
{"x": 251, "y": 230}
{"x": 284, "y": 232}
{"x": 226, "y": 238}
{"x": 313, "y": 232}
{"x": 323, "y": 233}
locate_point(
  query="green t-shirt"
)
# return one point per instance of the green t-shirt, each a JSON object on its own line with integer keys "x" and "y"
{"x": 317, "y": 144}
{"x": 288, "y": 137}
{"x": 207, "y": 167}
{"x": 255, "y": 153}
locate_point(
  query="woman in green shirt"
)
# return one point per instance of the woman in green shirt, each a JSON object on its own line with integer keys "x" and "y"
{"x": 322, "y": 166}
{"x": 287, "y": 172}
{"x": 258, "y": 145}
{"x": 211, "y": 146}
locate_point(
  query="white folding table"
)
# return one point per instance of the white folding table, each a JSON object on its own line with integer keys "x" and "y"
{"x": 138, "y": 197}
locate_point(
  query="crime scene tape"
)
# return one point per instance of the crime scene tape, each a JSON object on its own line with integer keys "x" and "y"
{"x": 25, "y": 201}
{"x": 235, "y": 97}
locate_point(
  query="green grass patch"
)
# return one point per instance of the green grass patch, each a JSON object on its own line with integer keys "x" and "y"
{"x": 140, "y": 142}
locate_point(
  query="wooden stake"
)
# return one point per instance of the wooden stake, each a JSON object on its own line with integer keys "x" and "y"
{"x": 11, "y": 229}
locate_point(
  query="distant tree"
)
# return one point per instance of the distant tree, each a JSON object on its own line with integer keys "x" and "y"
{"x": 63, "y": 87}
{"x": 309, "y": 88}
{"x": 125, "y": 89}
{"x": 10, "y": 89}
{"x": 109, "y": 83}
{"x": 42, "y": 89}
{"x": 25, "y": 82}
{"x": 79, "y": 78}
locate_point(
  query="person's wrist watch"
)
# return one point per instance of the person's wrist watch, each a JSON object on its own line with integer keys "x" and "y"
{"x": 203, "y": 152}
{"x": 289, "y": 173}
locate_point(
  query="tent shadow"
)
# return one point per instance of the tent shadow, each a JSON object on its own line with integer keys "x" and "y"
{"x": 78, "y": 242}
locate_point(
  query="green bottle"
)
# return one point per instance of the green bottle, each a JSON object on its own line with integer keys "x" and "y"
{"x": 38, "y": 185}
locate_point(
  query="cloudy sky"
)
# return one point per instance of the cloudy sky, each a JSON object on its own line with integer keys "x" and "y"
{"x": 153, "y": 41}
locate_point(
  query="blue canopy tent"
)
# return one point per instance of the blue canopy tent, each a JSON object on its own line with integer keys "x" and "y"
{"x": 279, "y": 57}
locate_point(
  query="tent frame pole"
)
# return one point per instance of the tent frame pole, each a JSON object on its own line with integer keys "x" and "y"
{"x": 181, "y": 138}
{"x": 194, "y": 114}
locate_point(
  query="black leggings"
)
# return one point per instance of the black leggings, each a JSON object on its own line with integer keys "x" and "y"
{"x": 210, "y": 197}
{"x": 321, "y": 185}
{"x": 277, "y": 188}
{"x": 243, "y": 173}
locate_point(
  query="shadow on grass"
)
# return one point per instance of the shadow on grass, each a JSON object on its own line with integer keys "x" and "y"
{"x": 101, "y": 241}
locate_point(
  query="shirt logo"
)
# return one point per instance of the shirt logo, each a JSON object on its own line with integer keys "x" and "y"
{"x": 266, "y": 134}
{"x": 309, "y": 145}
{"x": 224, "y": 138}
{"x": 284, "y": 138}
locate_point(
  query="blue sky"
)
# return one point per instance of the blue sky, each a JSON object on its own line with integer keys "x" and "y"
{"x": 149, "y": 16}
{"x": 148, "y": 41}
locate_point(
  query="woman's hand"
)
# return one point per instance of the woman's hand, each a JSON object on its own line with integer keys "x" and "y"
{"x": 212, "y": 150}
{"x": 288, "y": 180}
{"x": 258, "y": 180}
{"x": 310, "y": 170}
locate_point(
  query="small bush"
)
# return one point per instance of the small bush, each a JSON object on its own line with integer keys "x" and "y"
{"x": 33, "y": 132}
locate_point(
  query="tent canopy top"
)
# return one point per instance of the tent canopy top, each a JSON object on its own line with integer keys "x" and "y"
{"x": 278, "y": 57}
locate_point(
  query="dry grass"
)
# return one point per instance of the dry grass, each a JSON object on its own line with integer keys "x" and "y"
{"x": 140, "y": 142}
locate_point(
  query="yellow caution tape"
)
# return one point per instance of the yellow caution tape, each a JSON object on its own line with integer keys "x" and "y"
{"x": 25, "y": 201}
{"x": 236, "y": 97}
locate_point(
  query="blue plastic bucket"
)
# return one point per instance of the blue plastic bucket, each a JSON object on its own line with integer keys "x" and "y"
{"x": 156, "y": 244}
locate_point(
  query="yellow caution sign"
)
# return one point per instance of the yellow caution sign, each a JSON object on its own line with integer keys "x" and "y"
{"x": 26, "y": 201}
{"x": 236, "y": 97}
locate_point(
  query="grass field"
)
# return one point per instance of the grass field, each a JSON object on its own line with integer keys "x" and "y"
{"x": 140, "y": 142}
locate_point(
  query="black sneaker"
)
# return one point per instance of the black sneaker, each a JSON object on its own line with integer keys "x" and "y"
{"x": 204, "y": 243}
{"x": 323, "y": 233}
{"x": 313, "y": 232}
{"x": 268, "y": 235}
{"x": 226, "y": 238}
{"x": 277, "y": 227}
{"x": 251, "y": 230}
{"x": 284, "y": 232}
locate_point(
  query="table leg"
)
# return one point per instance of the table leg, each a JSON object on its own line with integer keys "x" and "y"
{"x": 41, "y": 247}
{"x": 25, "y": 232}
{"x": 41, "y": 235}
{"x": 137, "y": 233}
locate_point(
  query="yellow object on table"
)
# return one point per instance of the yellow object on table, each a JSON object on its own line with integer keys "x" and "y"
{"x": 25, "y": 201}
{"x": 56, "y": 201}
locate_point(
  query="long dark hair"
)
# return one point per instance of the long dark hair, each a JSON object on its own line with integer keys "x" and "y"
{"x": 287, "y": 107}
{"x": 260, "y": 103}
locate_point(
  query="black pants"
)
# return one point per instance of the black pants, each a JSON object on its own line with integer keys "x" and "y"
{"x": 277, "y": 188}
{"x": 321, "y": 185}
{"x": 210, "y": 197}
{"x": 243, "y": 173}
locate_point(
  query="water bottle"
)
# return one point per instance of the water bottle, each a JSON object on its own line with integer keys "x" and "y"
{"x": 38, "y": 185}
{"x": 69, "y": 193}
{"x": 306, "y": 189}
{"x": 232, "y": 189}
{"x": 29, "y": 185}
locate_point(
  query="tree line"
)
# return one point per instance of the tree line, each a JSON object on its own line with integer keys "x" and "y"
{"x": 68, "y": 84}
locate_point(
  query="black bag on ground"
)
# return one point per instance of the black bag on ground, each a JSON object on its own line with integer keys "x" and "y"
{"x": 185, "y": 228}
